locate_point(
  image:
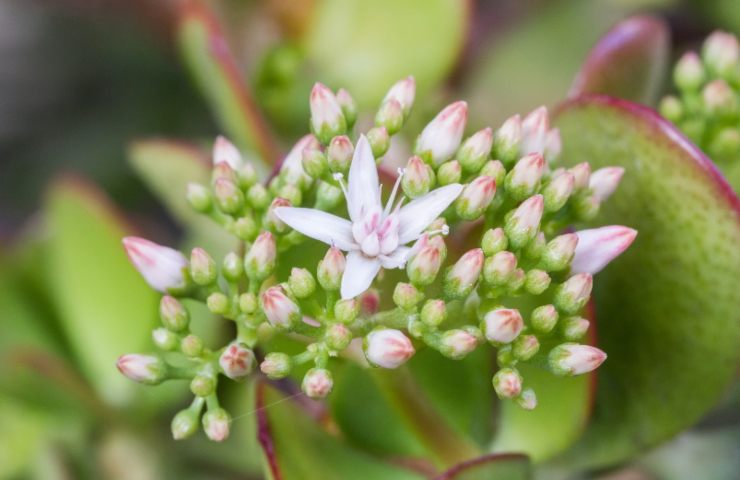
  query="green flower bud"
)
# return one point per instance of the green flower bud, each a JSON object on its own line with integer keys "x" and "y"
{"x": 314, "y": 163}
{"x": 726, "y": 142}
{"x": 534, "y": 249}
{"x": 259, "y": 263}
{"x": 507, "y": 383}
{"x": 494, "y": 241}
{"x": 406, "y": 296}
{"x": 689, "y": 73}
{"x": 185, "y": 424}
{"x": 544, "y": 318}
{"x": 475, "y": 198}
{"x": 586, "y": 207}
{"x": 191, "y": 346}
{"x": 462, "y": 277}
{"x": 301, "y": 283}
{"x": 317, "y": 383}
{"x": 345, "y": 311}
{"x": 223, "y": 171}
{"x": 390, "y": 115}
{"x": 291, "y": 194}
{"x": 434, "y": 312}
{"x": 418, "y": 178}
{"x": 328, "y": 196}
{"x": 199, "y": 197}
{"x": 525, "y": 347}
{"x": 449, "y": 172}
{"x": 574, "y": 328}
{"x": 457, "y": 343}
{"x": 581, "y": 175}
{"x": 203, "y": 385}
{"x": 507, "y": 139}
{"x": 719, "y": 99}
{"x": 258, "y": 197}
{"x": 524, "y": 179}
{"x": 475, "y": 151}
{"x": 572, "y": 295}
{"x": 276, "y": 365}
{"x": 339, "y": 154}
{"x": 216, "y": 424}
{"x": 559, "y": 252}
{"x": 505, "y": 356}
{"x": 527, "y": 399}
{"x": 164, "y": 339}
{"x": 246, "y": 228}
{"x": 331, "y": 269}
{"x": 523, "y": 224}
{"x": 721, "y": 53}
{"x": 248, "y": 303}
{"x": 494, "y": 169}
{"x": 146, "y": 369}
{"x": 173, "y": 314}
{"x": 379, "y": 140}
{"x": 574, "y": 359}
{"x": 218, "y": 303}
{"x": 558, "y": 191}
{"x": 233, "y": 269}
{"x": 348, "y": 106}
{"x": 327, "y": 119}
{"x": 247, "y": 175}
{"x": 536, "y": 281}
{"x": 229, "y": 199}
{"x": 338, "y": 336}
{"x": 497, "y": 270}
{"x": 202, "y": 267}
{"x": 671, "y": 108}
{"x": 423, "y": 267}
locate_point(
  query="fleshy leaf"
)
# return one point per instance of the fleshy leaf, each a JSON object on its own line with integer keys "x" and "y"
{"x": 668, "y": 307}
{"x": 509, "y": 466}
{"x": 629, "y": 62}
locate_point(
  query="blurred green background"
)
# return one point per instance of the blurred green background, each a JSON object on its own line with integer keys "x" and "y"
{"x": 81, "y": 80}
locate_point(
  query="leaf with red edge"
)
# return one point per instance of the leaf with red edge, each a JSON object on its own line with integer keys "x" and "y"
{"x": 629, "y": 62}
{"x": 504, "y": 466}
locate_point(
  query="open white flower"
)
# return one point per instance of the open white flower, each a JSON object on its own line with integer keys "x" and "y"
{"x": 374, "y": 236}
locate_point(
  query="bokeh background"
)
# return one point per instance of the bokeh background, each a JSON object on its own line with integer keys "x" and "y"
{"x": 82, "y": 80}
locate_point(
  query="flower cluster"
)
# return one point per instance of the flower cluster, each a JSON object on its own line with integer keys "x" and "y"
{"x": 497, "y": 190}
{"x": 707, "y": 107}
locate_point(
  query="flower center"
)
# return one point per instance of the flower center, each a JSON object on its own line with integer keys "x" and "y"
{"x": 376, "y": 234}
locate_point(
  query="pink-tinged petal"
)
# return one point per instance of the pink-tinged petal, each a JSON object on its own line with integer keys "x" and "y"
{"x": 363, "y": 192}
{"x": 319, "y": 225}
{"x": 358, "y": 274}
{"x": 417, "y": 215}
{"x": 225, "y": 151}
{"x": 397, "y": 259}
{"x": 162, "y": 267}
{"x": 599, "y": 246}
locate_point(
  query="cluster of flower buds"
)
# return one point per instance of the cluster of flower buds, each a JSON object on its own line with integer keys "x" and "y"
{"x": 707, "y": 104}
{"x": 504, "y": 180}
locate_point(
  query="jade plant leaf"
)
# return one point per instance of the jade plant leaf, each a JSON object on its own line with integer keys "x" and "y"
{"x": 509, "y": 466}
{"x": 629, "y": 62}
{"x": 668, "y": 308}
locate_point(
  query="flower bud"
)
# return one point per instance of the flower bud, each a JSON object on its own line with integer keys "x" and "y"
{"x": 387, "y": 348}
{"x": 185, "y": 424}
{"x": 559, "y": 252}
{"x": 218, "y": 303}
{"x": 524, "y": 179}
{"x": 163, "y": 268}
{"x": 535, "y": 248}
{"x": 236, "y": 361}
{"x": 246, "y": 228}
{"x": 147, "y": 369}
{"x": 475, "y": 198}
{"x": 462, "y": 277}
{"x": 575, "y": 359}
{"x": 339, "y": 154}
{"x": 422, "y": 269}
{"x": 586, "y": 207}
{"x": 216, "y": 424}
{"x": 233, "y": 267}
{"x": 390, "y": 115}
{"x": 719, "y": 99}
{"x": 369, "y": 302}
{"x": 174, "y": 316}
{"x": 379, "y": 141}
{"x": 436, "y": 241}
{"x": 280, "y": 310}
{"x": 507, "y": 140}
{"x": 327, "y": 119}
{"x": 604, "y": 181}
{"x": 522, "y": 226}
{"x": 553, "y": 145}
{"x": 247, "y": 176}
{"x": 314, "y": 163}
{"x": 689, "y": 72}
{"x": 457, "y": 344}
{"x": 507, "y": 383}
{"x": 544, "y": 318}
{"x": 434, "y": 312}
{"x": 328, "y": 196}
{"x": 259, "y": 262}
{"x": 671, "y": 108}
{"x": 406, "y": 296}
{"x": 516, "y": 282}
{"x": 418, "y": 178}
{"x": 248, "y": 303}
{"x": 222, "y": 171}
{"x": 301, "y": 282}
{"x": 164, "y": 339}
{"x": 441, "y": 138}
{"x": 476, "y": 150}
{"x": 574, "y": 328}
{"x": 573, "y": 294}
{"x": 191, "y": 345}
{"x": 494, "y": 169}
{"x": 599, "y": 246}
{"x": 527, "y": 399}
{"x": 725, "y": 142}
{"x": 558, "y": 191}
{"x": 502, "y": 325}
{"x": 202, "y": 267}
{"x": 276, "y": 365}
{"x": 317, "y": 383}
{"x": 534, "y": 131}
{"x": 403, "y": 92}
{"x": 272, "y": 221}
{"x": 494, "y": 241}
{"x": 331, "y": 269}
{"x": 449, "y": 172}
{"x": 199, "y": 197}
{"x": 258, "y": 197}
{"x": 721, "y": 52}
{"x": 536, "y": 281}
{"x": 292, "y": 169}
{"x": 229, "y": 199}
{"x": 498, "y": 268}
{"x": 581, "y": 174}
{"x": 348, "y": 106}
{"x": 525, "y": 347}
{"x": 337, "y": 337}
{"x": 225, "y": 151}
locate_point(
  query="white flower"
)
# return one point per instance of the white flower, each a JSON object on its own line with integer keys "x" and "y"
{"x": 374, "y": 236}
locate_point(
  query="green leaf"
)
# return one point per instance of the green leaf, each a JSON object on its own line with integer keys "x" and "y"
{"x": 365, "y": 47}
{"x": 295, "y": 446}
{"x": 504, "y": 466}
{"x": 668, "y": 307}
{"x": 629, "y": 62}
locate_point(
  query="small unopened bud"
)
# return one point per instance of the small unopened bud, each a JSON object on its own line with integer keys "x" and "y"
{"x": 406, "y": 296}
{"x": 314, "y": 163}
{"x": 229, "y": 198}
{"x": 248, "y": 302}
{"x": 236, "y": 361}
{"x": 258, "y": 196}
{"x": 689, "y": 73}
{"x": 218, "y": 303}
{"x": 527, "y": 399}
{"x": 534, "y": 249}
{"x": 463, "y": 276}
{"x": 163, "y": 268}
{"x": 387, "y": 348}
{"x": 441, "y": 138}
{"x": 223, "y": 171}
{"x": 147, "y": 369}
{"x": 164, "y": 339}
{"x": 721, "y": 52}
{"x": 516, "y": 282}
{"x": 494, "y": 169}
{"x": 247, "y": 175}
{"x": 536, "y": 282}
{"x": 272, "y": 221}
{"x": 292, "y": 169}
{"x": 327, "y": 118}
{"x": 553, "y": 145}
{"x": 246, "y": 228}
{"x": 575, "y": 359}
{"x": 233, "y": 267}
{"x": 507, "y": 140}
{"x": 558, "y": 191}
{"x": 525, "y": 347}
{"x": 379, "y": 141}
{"x": 276, "y": 365}
{"x": 390, "y": 115}
{"x": 174, "y": 316}
{"x": 573, "y": 294}
{"x": 202, "y": 267}
{"x": 449, "y": 172}
{"x": 502, "y": 325}
{"x": 339, "y": 154}
{"x": 581, "y": 174}
{"x": 574, "y": 328}
{"x": 327, "y": 196}
{"x": 524, "y": 179}
{"x": 559, "y": 252}
{"x": 534, "y": 131}
{"x": 225, "y": 151}
{"x": 476, "y": 150}
{"x": 280, "y": 310}
{"x": 403, "y": 92}
{"x": 522, "y": 226}
{"x": 434, "y": 312}
{"x": 544, "y": 318}
{"x": 604, "y": 181}
{"x": 507, "y": 383}
{"x": 599, "y": 246}
{"x": 418, "y": 178}
{"x": 586, "y": 207}
{"x": 216, "y": 424}
{"x": 331, "y": 269}
{"x": 475, "y": 198}
{"x": 726, "y": 142}
{"x": 259, "y": 262}
{"x": 345, "y": 311}
{"x": 348, "y": 106}
{"x": 301, "y": 283}
{"x": 317, "y": 383}
{"x": 338, "y": 336}
{"x": 199, "y": 197}
{"x": 191, "y": 345}
{"x": 185, "y": 424}
{"x": 719, "y": 99}
{"x": 422, "y": 269}
{"x": 457, "y": 343}
{"x": 671, "y": 108}
{"x": 494, "y": 241}
{"x": 498, "y": 268}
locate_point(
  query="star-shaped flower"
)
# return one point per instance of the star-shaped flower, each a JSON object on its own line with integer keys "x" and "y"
{"x": 374, "y": 236}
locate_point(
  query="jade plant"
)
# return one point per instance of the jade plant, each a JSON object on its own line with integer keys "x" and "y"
{"x": 500, "y": 192}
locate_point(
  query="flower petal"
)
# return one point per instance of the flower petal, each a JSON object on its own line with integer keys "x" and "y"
{"x": 319, "y": 225}
{"x": 363, "y": 189}
{"x": 417, "y": 215}
{"x": 599, "y": 246}
{"x": 397, "y": 259}
{"x": 358, "y": 274}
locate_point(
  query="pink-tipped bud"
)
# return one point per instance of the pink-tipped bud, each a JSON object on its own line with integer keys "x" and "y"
{"x": 476, "y": 150}
{"x": 559, "y": 252}
{"x": 522, "y": 226}
{"x": 403, "y": 92}
{"x": 689, "y": 73}
{"x": 599, "y": 246}
{"x": 163, "y": 268}
{"x": 259, "y": 262}
{"x": 449, "y": 172}
{"x": 388, "y": 348}
{"x": 225, "y": 151}
{"x": 534, "y": 131}
{"x": 216, "y": 424}
{"x": 317, "y": 383}
{"x": 573, "y": 294}
{"x": 558, "y": 191}
{"x": 527, "y": 400}
{"x": 173, "y": 314}
{"x": 721, "y": 52}
{"x": 202, "y": 267}
{"x": 292, "y": 169}
{"x": 475, "y": 198}
{"x": 327, "y": 118}
{"x": 604, "y": 181}
{"x": 502, "y": 325}
{"x": 508, "y": 139}
{"x": 148, "y": 369}
{"x": 390, "y": 115}
{"x": 424, "y": 266}
{"x": 441, "y": 138}
{"x": 229, "y": 198}
{"x": 457, "y": 343}
{"x": 276, "y": 365}
{"x": 524, "y": 178}
{"x": 507, "y": 382}
{"x": 331, "y": 269}
{"x": 339, "y": 154}
{"x": 575, "y": 359}
{"x": 417, "y": 178}
{"x": 497, "y": 269}
{"x": 272, "y": 221}
{"x": 581, "y": 174}
{"x": 236, "y": 361}
{"x": 434, "y": 312}
{"x": 553, "y": 145}
{"x": 719, "y": 97}
{"x": 279, "y": 309}
{"x": 463, "y": 276}
{"x": 348, "y": 106}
